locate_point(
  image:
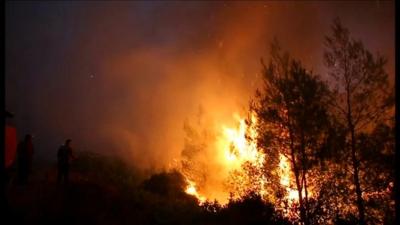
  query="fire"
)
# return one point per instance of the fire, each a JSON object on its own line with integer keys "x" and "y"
{"x": 239, "y": 149}
{"x": 191, "y": 190}
{"x": 285, "y": 179}
{"x": 235, "y": 146}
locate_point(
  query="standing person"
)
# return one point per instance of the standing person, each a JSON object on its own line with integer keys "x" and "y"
{"x": 64, "y": 155}
{"x": 25, "y": 156}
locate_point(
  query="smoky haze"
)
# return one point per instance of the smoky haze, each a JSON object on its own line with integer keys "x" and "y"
{"x": 120, "y": 78}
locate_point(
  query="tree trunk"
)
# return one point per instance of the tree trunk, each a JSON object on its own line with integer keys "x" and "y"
{"x": 360, "y": 203}
{"x": 304, "y": 178}
{"x": 355, "y": 162}
{"x": 303, "y": 216}
{"x": 305, "y": 195}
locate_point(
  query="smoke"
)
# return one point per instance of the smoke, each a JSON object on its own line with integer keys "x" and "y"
{"x": 121, "y": 78}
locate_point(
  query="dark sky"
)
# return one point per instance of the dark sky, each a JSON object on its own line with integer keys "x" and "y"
{"x": 121, "y": 77}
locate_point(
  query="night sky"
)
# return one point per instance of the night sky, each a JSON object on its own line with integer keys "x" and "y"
{"x": 122, "y": 77}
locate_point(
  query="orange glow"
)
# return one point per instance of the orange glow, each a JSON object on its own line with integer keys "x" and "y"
{"x": 286, "y": 180}
{"x": 191, "y": 190}
{"x": 235, "y": 146}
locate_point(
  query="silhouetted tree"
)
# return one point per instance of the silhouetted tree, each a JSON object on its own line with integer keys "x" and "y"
{"x": 377, "y": 172}
{"x": 169, "y": 184}
{"x": 362, "y": 94}
{"x": 251, "y": 209}
{"x": 292, "y": 117}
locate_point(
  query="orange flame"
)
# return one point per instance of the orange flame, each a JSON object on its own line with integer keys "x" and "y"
{"x": 285, "y": 179}
{"x": 191, "y": 190}
{"x": 237, "y": 145}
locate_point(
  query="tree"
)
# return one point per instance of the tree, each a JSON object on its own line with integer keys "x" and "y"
{"x": 251, "y": 209}
{"x": 292, "y": 117}
{"x": 198, "y": 137}
{"x": 361, "y": 97}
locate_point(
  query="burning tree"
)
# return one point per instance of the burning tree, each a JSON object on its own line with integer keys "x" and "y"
{"x": 362, "y": 99}
{"x": 249, "y": 173}
{"x": 193, "y": 166}
{"x": 223, "y": 162}
{"x": 291, "y": 108}
{"x": 304, "y": 147}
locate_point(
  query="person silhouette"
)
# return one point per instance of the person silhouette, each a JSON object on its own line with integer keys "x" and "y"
{"x": 64, "y": 156}
{"x": 25, "y": 156}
